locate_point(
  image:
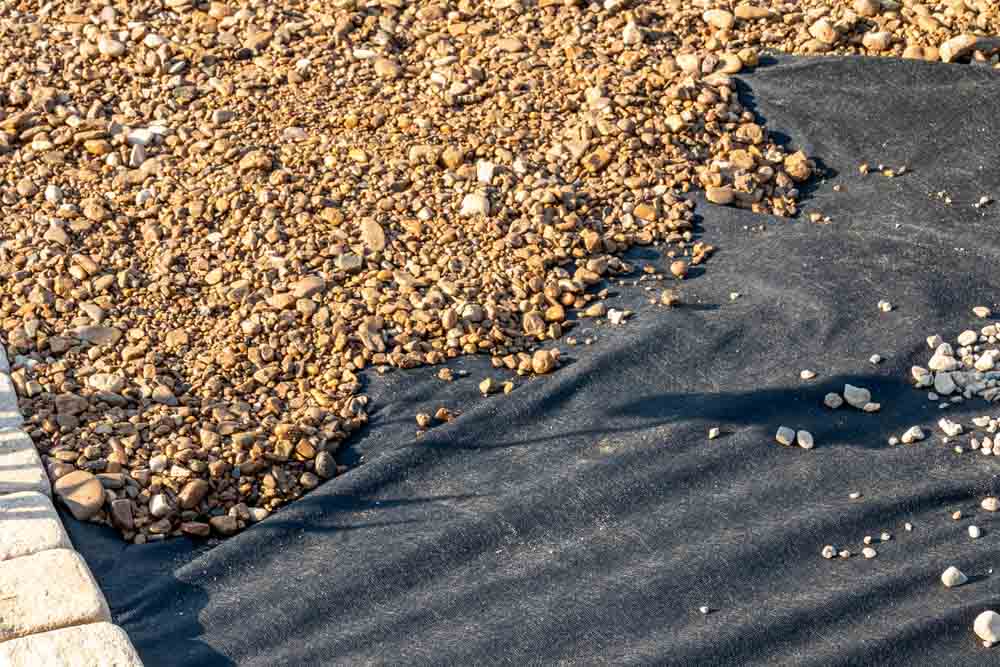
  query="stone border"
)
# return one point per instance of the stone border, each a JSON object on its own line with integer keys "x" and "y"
{"x": 51, "y": 610}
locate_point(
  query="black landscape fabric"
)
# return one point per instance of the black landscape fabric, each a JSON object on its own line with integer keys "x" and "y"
{"x": 586, "y": 517}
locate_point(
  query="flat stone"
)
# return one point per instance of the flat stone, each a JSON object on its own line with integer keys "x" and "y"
{"x": 29, "y": 524}
{"x": 81, "y": 646}
{"x": 20, "y": 466}
{"x": 81, "y": 492}
{"x": 10, "y": 415}
{"x": 46, "y": 591}
{"x": 192, "y": 494}
{"x": 785, "y": 435}
{"x": 857, "y": 397}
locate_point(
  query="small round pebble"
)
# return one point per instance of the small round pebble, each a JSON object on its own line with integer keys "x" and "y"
{"x": 704, "y": 610}
{"x": 833, "y": 401}
{"x": 974, "y": 532}
{"x": 875, "y": 359}
{"x": 868, "y": 552}
{"x": 854, "y": 495}
{"x": 990, "y": 504}
{"x": 785, "y": 435}
{"x": 807, "y": 374}
{"x": 908, "y": 527}
{"x": 884, "y": 306}
{"x": 953, "y": 577}
{"x": 828, "y": 552}
{"x": 714, "y": 433}
{"x": 805, "y": 439}
{"x": 982, "y": 312}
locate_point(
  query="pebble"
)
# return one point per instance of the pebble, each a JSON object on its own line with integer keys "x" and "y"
{"x": 81, "y": 492}
{"x": 987, "y": 627}
{"x": 875, "y": 359}
{"x": 884, "y": 306}
{"x": 785, "y": 435}
{"x": 982, "y": 312}
{"x": 807, "y": 374}
{"x": 828, "y": 552}
{"x": 833, "y": 401}
{"x": 868, "y": 552}
{"x": 804, "y": 439}
{"x": 475, "y": 204}
{"x": 714, "y": 433}
{"x": 953, "y": 577}
{"x": 854, "y": 495}
{"x": 975, "y": 532}
{"x": 990, "y": 504}
{"x": 857, "y": 397}
{"x": 912, "y": 435}
{"x": 704, "y": 610}
{"x": 949, "y": 427}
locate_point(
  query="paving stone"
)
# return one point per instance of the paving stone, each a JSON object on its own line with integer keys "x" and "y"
{"x": 89, "y": 645}
{"x": 29, "y": 524}
{"x": 20, "y": 466}
{"x": 10, "y": 416}
{"x": 46, "y": 591}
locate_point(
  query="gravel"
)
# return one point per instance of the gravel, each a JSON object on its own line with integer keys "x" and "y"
{"x": 218, "y": 217}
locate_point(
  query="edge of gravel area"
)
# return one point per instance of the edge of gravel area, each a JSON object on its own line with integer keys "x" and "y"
{"x": 36, "y": 629}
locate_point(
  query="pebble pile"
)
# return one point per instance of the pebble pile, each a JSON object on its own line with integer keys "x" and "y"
{"x": 216, "y": 216}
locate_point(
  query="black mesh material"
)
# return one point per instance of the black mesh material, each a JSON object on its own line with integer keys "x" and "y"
{"x": 586, "y": 517}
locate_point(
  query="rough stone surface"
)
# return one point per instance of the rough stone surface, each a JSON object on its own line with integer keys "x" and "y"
{"x": 91, "y": 645}
{"x": 81, "y": 492}
{"x": 29, "y": 524}
{"x": 46, "y": 591}
{"x": 20, "y": 467}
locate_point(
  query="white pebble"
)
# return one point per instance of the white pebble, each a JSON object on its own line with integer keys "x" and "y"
{"x": 875, "y": 359}
{"x": 854, "y": 495}
{"x": 714, "y": 432}
{"x": 805, "y": 439}
{"x": 990, "y": 504}
{"x": 885, "y": 537}
{"x": 974, "y": 532}
{"x": 868, "y": 552}
{"x": 987, "y": 627}
{"x": 807, "y": 374}
{"x": 981, "y": 312}
{"x": 908, "y": 527}
{"x": 884, "y": 306}
{"x": 913, "y": 434}
{"x": 833, "y": 401}
{"x": 785, "y": 435}
{"x": 704, "y": 610}
{"x": 953, "y": 577}
{"x": 828, "y": 552}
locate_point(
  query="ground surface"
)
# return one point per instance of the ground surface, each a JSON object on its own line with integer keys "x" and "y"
{"x": 586, "y": 517}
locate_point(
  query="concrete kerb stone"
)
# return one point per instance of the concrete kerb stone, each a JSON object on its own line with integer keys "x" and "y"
{"x": 10, "y": 416}
{"x": 82, "y": 646}
{"x": 52, "y": 611}
{"x": 29, "y": 524}
{"x": 20, "y": 466}
{"x": 46, "y": 591}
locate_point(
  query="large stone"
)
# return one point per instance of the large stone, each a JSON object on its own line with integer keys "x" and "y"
{"x": 46, "y": 591}
{"x": 192, "y": 494}
{"x": 20, "y": 467}
{"x": 29, "y": 524}
{"x": 98, "y": 335}
{"x": 82, "y": 646}
{"x": 81, "y": 492}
